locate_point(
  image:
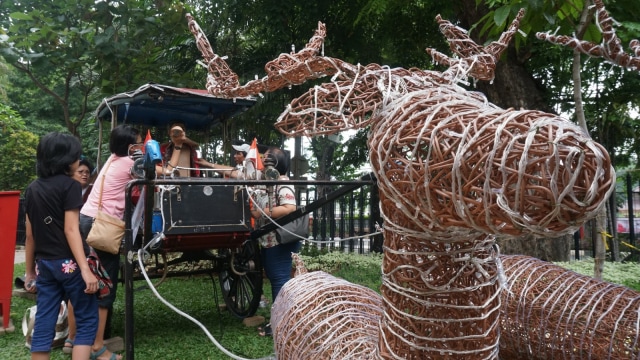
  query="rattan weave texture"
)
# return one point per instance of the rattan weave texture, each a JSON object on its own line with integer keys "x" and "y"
{"x": 329, "y": 318}
{"x": 549, "y": 312}
{"x": 453, "y": 171}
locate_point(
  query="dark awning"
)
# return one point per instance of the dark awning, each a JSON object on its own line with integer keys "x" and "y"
{"x": 155, "y": 105}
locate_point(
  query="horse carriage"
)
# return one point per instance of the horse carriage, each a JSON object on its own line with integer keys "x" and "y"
{"x": 200, "y": 218}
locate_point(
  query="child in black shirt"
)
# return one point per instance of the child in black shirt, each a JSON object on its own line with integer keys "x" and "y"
{"x": 56, "y": 256}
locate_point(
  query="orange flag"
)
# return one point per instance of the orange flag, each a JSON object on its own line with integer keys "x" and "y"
{"x": 144, "y": 148}
{"x": 254, "y": 155}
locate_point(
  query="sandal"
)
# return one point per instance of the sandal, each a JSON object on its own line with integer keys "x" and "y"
{"x": 265, "y": 330}
{"x": 97, "y": 354}
{"x": 68, "y": 346}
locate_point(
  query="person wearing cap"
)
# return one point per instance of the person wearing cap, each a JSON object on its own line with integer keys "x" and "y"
{"x": 239, "y": 157}
{"x": 179, "y": 154}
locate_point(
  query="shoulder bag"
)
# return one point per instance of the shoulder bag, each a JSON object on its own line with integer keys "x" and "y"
{"x": 107, "y": 231}
{"x": 293, "y": 231}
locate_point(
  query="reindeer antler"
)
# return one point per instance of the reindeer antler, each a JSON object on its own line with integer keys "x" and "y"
{"x": 220, "y": 77}
{"x": 476, "y": 61}
{"x": 287, "y": 69}
{"x": 610, "y": 49}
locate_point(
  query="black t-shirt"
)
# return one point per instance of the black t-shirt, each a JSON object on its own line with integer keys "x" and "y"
{"x": 46, "y": 201}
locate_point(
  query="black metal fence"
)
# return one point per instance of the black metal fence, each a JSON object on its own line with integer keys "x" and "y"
{"x": 626, "y": 221}
{"x": 347, "y": 224}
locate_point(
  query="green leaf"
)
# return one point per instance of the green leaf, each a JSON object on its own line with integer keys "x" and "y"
{"x": 501, "y": 14}
{"x": 631, "y": 28}
{"x": 488, "y": 28}
{"x": 21, "y": 16}
{"x": 593, "y": 34}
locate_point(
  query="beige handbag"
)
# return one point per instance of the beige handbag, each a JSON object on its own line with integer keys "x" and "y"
{"x": 107, "y": 231}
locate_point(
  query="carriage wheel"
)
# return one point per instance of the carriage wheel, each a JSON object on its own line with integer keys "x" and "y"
{"x": 241, "y": 281}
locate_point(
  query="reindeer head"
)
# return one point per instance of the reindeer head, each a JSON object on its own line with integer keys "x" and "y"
{"x": 445, "y": 158}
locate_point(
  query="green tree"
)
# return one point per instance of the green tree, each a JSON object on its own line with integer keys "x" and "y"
{"x": 18, "y": 146}
{"x": 77, "y": 53}
{"x": 10, "y": 121}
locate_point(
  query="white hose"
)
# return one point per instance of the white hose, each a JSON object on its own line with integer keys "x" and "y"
{"x": 192, "y": 319}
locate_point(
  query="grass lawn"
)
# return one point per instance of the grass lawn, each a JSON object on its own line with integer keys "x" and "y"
{"x": 160, "y": 333}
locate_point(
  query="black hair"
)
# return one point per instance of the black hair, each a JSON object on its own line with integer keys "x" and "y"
{"x": 121, "y": 137}
{"x": 280, "y": 158}
{"x": 86, "y": 163}
{"x": 55, "y": 153}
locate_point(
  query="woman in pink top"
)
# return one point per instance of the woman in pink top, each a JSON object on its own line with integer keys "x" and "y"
{"x": 117, "y": 173}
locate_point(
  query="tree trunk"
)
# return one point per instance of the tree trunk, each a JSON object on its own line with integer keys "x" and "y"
{"x": 513, "y": 86}
{"x": 601, "y": 218}
{"x": 612, "y": 221}
{"x": 599, "y": 237}
{"x": 548, "y": 249}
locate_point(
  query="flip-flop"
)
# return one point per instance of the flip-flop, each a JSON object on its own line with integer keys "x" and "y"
{"x": 265, "y": 330}
{"x": 68, "y": 347}
{"x": 97, "y": 354}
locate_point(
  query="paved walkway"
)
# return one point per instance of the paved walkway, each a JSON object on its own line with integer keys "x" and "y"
{"x": 19, "y": 257}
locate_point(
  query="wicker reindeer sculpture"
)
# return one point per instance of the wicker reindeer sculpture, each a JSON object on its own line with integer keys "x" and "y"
{"x": 454, "y": 171}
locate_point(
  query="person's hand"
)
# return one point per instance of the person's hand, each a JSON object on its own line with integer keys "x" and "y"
{"x": 91, "y": 281}
{"x": 30, "y": 283}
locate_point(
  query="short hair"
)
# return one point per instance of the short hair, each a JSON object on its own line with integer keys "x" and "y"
{"x": 122, "y": 136}
{"x": 55, "y": 153}
{"x": 281, "y": 158}
{"x": 87, "y": 163}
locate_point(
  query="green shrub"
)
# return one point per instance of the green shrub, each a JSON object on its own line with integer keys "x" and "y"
{"x": 621, "y": 273}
